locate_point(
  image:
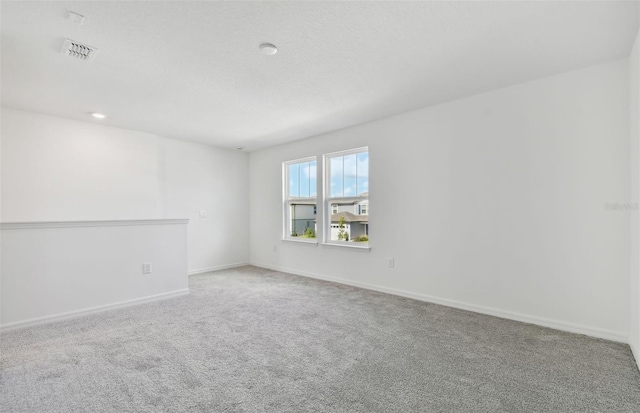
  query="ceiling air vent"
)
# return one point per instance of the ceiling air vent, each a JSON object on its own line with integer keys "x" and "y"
{"x": 79, "y": 50}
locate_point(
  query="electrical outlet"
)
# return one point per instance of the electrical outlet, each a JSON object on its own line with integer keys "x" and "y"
{"x": 203, "y": 213}
{"x": 146, "y": 268}
{"x": 390, "y": 262}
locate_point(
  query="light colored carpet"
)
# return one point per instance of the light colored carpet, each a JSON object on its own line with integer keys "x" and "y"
{"x": 254, "y": 340}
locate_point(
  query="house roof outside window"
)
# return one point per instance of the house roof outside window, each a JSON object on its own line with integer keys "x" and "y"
{"x": 349, "y": 217}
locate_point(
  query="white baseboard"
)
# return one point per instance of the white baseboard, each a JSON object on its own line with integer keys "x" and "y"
{"x": 636, "y": 353}
{"x": 510, "y": 315}
{"x": 92, "y": 310}
{"x": 217, "y": 268}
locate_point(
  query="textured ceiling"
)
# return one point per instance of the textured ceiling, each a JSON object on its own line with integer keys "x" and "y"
{"x": 192, "y": 70}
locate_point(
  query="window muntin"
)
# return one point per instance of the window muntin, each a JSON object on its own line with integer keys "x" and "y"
{"x": 300, "y": 199}
{"x": 347, "y": 186}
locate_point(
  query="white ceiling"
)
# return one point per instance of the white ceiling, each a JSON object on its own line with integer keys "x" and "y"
{"x": 192, "y": 70}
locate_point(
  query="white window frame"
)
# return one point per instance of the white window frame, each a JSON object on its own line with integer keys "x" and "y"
{"x": 286, "y": 202}
{"x": 327, "y": 200}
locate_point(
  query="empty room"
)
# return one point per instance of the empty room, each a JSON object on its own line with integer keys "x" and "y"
{"x": 319, "y": 206}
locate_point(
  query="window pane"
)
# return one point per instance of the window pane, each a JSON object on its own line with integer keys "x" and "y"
{"x": 294, "y": 180}
{"x": 303, "y": 220}
{"x": 363, "y": 173}
{"x": 313, "y": 190}
{"x": 304, "y": 180}
{"x": 349, "y": 176}
{"x": 335, "y": 166}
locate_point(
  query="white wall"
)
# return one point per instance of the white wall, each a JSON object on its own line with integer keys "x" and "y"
{"x": 508, "y": 190}
{"x": 634, "y": 112}
{"x": 198, "y": 177}
{"x": 55, "y": 169}
{"x": 54, "y": 271}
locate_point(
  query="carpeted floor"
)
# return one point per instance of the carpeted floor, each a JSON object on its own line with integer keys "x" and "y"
{"x": 254, "y": 340}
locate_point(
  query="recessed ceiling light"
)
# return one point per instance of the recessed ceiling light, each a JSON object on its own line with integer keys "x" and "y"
{"x": 239, "y": 148}
{"x": 98, "y": 115}
{"x": 268, "y": 48}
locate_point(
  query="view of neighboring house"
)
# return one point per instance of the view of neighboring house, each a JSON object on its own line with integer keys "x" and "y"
{"x": 303, "y": 216}
{"x": 355, "y": 212}
{"x": 355, "y": 226}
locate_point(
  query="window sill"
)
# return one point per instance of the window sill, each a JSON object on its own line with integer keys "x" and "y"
{"x": 361, "y": 248}
{"x": 309, "y": 241}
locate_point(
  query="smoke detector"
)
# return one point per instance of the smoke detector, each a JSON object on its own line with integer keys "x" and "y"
{"x": 268, "y": 48}
{"x": 79, "y": 50}
{"x": 74, "y": 17}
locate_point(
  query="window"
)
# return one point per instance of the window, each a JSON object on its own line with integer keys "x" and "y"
{"x": 344, "y": 207}
{"x": 300, "y": 205}
{"x": 347, "y": 189}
